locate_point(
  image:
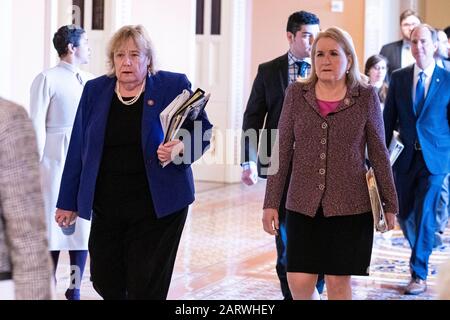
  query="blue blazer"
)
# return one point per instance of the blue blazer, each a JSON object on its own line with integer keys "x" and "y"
{"x": 431, "y": 128}
{"x": 172, "y": 187}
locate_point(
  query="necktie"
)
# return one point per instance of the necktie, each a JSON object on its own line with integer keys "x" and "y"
{"x": 420, "y": 94}
{"x": 303, "y": 68}
{"x": 79, "y": 78}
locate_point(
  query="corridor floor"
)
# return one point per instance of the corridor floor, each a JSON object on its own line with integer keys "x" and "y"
{"x": 225, "y": 254}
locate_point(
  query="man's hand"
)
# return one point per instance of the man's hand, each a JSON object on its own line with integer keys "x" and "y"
{"x": 249, "y": 173}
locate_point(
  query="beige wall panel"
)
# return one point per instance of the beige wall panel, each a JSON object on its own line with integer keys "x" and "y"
{"x": 437, "y": 13}
{"x": 270, "y": 18}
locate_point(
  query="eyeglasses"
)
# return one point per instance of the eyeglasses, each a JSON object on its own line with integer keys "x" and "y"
{"x": 409, "y": 25}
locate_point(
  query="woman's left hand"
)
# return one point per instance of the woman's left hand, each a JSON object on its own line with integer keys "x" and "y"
{"x": 390, "y": 219}
{"x": 170, "y": 150}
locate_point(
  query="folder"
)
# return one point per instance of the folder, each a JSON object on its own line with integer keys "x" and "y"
{"x": 379, "y": 217}
{"x": 395, "y": 147}
{"x": 185, "y": 106}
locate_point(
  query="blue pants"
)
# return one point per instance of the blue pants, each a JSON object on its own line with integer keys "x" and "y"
{"x": 77, "y": 264}
{"x": 419, "y": 194}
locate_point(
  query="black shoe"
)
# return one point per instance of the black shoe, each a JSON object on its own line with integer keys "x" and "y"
{"x": 72, "y": 294}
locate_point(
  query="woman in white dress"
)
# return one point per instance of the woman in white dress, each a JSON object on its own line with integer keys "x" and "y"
{"x": 55, "y": 94}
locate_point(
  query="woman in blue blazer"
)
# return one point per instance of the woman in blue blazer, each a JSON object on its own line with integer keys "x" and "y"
{"x": 113, "y": 172}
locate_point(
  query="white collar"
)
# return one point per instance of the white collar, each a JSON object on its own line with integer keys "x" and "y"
{"x": 428, "y": 70}
{"x": 69, "y": 67}
{"x": 406, "y": 44}
{"x": 292, "y": 59}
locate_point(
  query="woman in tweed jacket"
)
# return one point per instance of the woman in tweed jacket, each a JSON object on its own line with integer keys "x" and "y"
{"x": 24, "y": 258}
{"x": 326, "y": 124}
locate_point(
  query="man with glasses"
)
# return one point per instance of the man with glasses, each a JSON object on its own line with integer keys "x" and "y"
{"x": 399, "y": 53}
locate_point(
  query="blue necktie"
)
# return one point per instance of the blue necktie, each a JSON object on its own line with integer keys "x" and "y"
{"x": 420, "y": 94}
{"x": 303, "y": 68}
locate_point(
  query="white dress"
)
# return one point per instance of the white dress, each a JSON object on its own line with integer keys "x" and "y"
{"x": 55, "y": 94}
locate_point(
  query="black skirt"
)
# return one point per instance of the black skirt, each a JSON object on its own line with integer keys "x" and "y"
{"x": 340, "y": 245}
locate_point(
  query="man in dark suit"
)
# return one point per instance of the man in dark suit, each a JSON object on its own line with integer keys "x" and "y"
{"x": 398, "y": 53}
{"x": 263, "y": 112}
{"x": 419, "y": 100}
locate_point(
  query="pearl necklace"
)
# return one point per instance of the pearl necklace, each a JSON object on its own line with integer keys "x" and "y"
{"x": 132, "y": 101}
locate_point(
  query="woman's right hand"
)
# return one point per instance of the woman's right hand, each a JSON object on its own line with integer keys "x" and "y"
{"x": 270, "y": 221}
{"x": 64, "y": 218}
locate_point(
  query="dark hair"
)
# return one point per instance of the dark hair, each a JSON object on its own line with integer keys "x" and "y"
{"x": 447, "y": 31}
{"x": 373, "y": 60}
{"x": 407, "y": 13}
{"x": 70, "y": 34}
{"x": 300, "y": 18}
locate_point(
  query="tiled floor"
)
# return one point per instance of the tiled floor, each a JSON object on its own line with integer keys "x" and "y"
{"x": 225, "y": 255}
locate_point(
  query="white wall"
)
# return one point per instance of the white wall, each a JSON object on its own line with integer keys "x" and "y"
{"x": 382, "y": 25}
{"x": 5, "y": 52}
{"x": 171, "y": 26}
{"x": 22, "y": 46}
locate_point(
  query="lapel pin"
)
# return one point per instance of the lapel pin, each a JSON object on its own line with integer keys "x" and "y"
{"x": 151, "y": 103}
{"x": 437, "y": 80}
{"x": 347, "y": 101}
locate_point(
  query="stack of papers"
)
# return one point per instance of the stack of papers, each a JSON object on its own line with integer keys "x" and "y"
{"x": 184, "y": 106}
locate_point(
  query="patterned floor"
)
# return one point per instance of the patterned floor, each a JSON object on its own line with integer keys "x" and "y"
{"x": 225, "y": 255}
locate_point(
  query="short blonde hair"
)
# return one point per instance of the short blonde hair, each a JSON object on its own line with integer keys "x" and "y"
{"x": 140, "y": 38}
{"x": 345, "y": 41}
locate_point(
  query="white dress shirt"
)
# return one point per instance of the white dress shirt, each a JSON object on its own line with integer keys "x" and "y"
{"x": 428, "y": 73}
{"x": 407, "y": 57}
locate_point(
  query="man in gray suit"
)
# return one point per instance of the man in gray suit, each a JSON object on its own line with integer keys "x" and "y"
{"x": 25, "y": 267}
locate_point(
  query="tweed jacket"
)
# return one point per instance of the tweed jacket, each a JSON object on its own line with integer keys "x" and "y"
{"x": 23, "y": 237}
{"x": 328, "y": 154}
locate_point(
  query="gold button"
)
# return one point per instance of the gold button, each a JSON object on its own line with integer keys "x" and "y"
{"x": 323, "y": 156}
{"x": 324, "y": 125}
{"x": 322, "y": 171}
{"x": 323, "y": 141}
{"x": 151, "y": 103}
{"x": 321, "y": 187}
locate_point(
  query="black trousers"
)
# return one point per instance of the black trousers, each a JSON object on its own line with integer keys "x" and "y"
{"x": 133, "y": 253}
